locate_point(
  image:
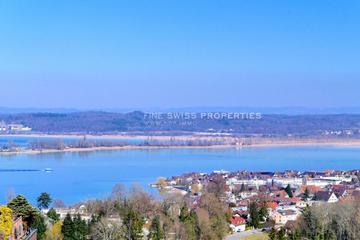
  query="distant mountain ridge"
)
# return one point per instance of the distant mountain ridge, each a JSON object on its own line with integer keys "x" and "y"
{"x": 263, "y": 110}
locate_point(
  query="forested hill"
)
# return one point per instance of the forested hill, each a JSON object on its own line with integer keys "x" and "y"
{"x": 106, "y": 122}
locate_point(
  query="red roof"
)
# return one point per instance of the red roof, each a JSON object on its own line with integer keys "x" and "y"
{"x": 272, "y": 205}
{"x": 237, "y": 220}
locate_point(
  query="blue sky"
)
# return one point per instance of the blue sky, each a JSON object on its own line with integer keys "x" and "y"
{"x": 123, "y": 54}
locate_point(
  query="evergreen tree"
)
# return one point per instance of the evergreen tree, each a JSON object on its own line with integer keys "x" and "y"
{"x": 22, "y": 208}
{"x": 67, "y": 228}
{"x": 74, "y": 228}
{"x": 190, "y": 223}
{"x": 242, "y": 188}
{"x": 44, "y": 200}
{"x": 310, "y": 227}
{"x": 53, "y": 215}
{"x": 133, "y": 222}
{"x": 289, "y": 191}
{"x": 80, "y": 228}
{"x": 156, "y": 230}
{"x": 40, "y": 226}
{"x": 184, "y": 213}
{"x": 306, "y": 194}
{"x": 263, "y": 212}
{"x": 254, "y": 215}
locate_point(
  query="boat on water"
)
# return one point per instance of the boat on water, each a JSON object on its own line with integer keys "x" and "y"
{"x": 48, "y": 170}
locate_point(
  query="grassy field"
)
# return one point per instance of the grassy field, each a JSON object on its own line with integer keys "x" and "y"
{"x": 257, "y": 236}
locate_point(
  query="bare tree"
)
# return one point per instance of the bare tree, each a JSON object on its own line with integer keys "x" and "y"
{"x": 106, "y": 230}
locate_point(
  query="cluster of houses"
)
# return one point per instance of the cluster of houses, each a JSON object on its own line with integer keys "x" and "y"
{"x": 285, "y": 194}
{"x": 13, "y": 128}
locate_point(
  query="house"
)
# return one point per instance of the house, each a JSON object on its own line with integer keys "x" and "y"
{"x": 18, "y": 231}
{"x": 238, "y": 224}
{"x": 18, "y": 128}
{"x": 272, "y": 205}
{"x": 312, "y": 189}
{"x": 326, "y": 196}
{"x": 283, "y": 216}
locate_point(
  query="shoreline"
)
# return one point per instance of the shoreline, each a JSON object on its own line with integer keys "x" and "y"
{"x": 258, "y": 143}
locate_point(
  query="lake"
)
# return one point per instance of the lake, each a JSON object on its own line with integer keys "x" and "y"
{"x": 80, "y": 176}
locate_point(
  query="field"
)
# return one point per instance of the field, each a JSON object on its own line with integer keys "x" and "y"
{"x": 257, "y": 236}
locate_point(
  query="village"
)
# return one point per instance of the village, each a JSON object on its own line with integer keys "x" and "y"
{"x": 284, "y": 194}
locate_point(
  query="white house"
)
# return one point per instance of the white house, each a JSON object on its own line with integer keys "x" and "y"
{"x": 238, "y": 224}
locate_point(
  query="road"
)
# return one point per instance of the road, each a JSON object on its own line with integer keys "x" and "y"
{"x": 237, "y": 236}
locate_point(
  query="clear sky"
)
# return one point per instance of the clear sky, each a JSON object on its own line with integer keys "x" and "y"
{"x": 179, "y": 53}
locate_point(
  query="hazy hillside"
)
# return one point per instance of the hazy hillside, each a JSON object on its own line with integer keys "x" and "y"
{"x": 105, "y": 122}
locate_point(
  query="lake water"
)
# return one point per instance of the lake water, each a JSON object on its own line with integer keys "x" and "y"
{"x": 79, "y": 176}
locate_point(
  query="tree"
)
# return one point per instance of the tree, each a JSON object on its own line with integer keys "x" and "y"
{"x": 40, "y": 226}
{"x": 54, "y": 232}
{"x": 306, "y": 194}
{"x": 190, "y": 222}
{"x": 184, "y": 212}
{"x": 6, "y": 221}
{"x": 133, "y": 222}
{"x": 141, "y": 202}
{"x": 281, "y": 234}
{"x": 217, "y": 186}
{"x": 254, "y": 215}
{"x": 289, "y": 191}
{"x": 161, "y": 182}
{"x": 243, "y": 188}
{"x": 44, "y": 200}
{"x": 80, "y": 230}
{"x": 156, "y": 230}
{"x": 263, "y": 212}
{"x": 53, "y": 215}
{"x": 218, "y": 213}
{"x": 106, "y": 230}
{"x": 117, "y": 192}
{"x": 74, "y": 228}
{"x": 67, "y": 227}
{"x": 310, "y": 226}
{"x": 272, "y": 234}
{"x": 22, "y": 208}
{"x": 58, "y": 203}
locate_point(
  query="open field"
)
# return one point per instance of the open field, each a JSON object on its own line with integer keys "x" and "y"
{"x": 257, "y": 236}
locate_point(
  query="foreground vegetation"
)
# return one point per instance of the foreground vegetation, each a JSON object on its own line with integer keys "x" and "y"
{"x": 136, "y": 215}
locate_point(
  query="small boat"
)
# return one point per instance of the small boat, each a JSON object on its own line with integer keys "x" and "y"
{"x": 48, "y": 170}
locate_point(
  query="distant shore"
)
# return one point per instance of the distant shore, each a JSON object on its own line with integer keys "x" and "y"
{"x": 258, "y": 142}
